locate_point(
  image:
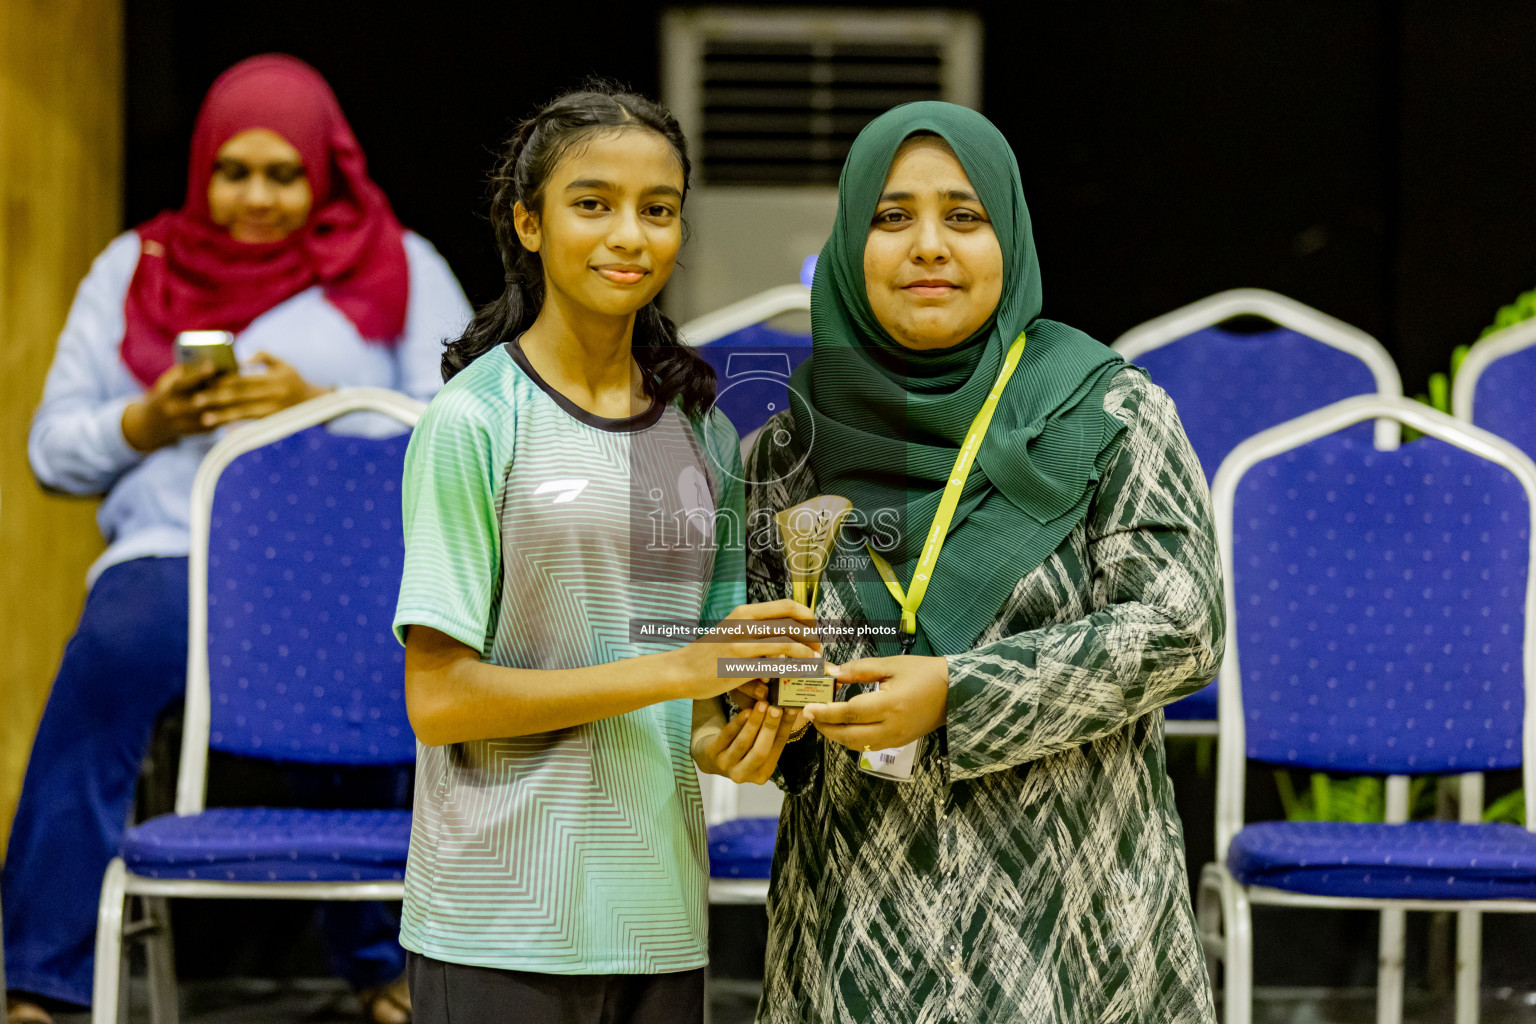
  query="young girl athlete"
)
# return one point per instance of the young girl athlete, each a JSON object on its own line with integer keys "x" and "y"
{"x": 568, "y": 486}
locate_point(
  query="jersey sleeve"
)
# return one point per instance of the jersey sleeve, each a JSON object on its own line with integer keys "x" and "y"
{"x": 452, "y": 537}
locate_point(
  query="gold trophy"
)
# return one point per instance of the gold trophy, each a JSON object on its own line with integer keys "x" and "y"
{"x": 809, "y": 532}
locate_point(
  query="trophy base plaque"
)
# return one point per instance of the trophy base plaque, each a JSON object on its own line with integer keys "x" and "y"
{"x": 797, "y": 693}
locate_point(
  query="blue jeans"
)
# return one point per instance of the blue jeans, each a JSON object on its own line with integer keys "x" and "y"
{"x": 124, "y": 666}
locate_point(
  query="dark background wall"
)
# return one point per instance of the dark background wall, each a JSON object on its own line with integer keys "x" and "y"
{"x": 1370, "y": 158}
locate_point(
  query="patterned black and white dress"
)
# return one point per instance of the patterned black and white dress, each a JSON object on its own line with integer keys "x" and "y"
{"x": 1034, "y": 869}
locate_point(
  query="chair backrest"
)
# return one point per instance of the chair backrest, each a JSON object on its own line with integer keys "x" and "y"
{"x": 1495, "y": 385}
{"x": 293, "y": 573}
{"x": 1380, "y": 603}
{"x": 1229, "y": 386}
{"x": 752, "y": 360}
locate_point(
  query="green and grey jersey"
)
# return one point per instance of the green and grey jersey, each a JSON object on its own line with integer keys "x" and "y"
{"x": 540, "y": 535}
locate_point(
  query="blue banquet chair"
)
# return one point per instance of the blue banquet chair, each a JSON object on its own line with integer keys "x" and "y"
{"x": 752, "y": 359}
{"x": 294, "y": 570}
{"x": 1495, "y": 386}
{"x": 1228, "y": 386}
{"x": 1380, "y": 611}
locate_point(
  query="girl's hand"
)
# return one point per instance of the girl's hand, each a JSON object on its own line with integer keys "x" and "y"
{"x": 250, "y": 396}
{"x": 747, "y": 748}
{"x": 696, "y": 667}
{"x": 912, "y": 701}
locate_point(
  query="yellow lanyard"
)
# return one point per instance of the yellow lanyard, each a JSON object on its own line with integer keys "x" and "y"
{"x": 911, "y": 599}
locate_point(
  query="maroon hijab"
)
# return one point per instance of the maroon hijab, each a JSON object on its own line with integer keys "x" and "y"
{"x": 193, "y": 276}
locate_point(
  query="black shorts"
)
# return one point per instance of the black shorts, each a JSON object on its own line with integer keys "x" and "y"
{"x": 445, "y": 993}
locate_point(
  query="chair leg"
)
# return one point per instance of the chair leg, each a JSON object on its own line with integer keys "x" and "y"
{"x": 160, "y": 955}
{"x": 1208, "y": 921}
{"x": 1237, "y": 915}
{"x": 1469, "y": 923}
{"x": 107, "y": 987}
{"x": 1469, "y": 965}
{"x": 1389, "y": 967}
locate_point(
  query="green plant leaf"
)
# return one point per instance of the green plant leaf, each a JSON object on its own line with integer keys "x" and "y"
{"x": 1296, "y": 808}
{"x": 1440, "y": 392}
{"x": 1458, "y": 354}
{"x": 1507, "y": 809}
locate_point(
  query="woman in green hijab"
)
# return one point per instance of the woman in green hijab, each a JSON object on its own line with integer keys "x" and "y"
{"x": 1032, "y": 867}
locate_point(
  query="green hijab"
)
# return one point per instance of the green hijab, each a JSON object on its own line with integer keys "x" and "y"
{"x": 887, "y": 422}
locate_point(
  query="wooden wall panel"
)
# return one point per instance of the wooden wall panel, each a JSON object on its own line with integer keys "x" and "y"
{"x": 61, "y": 143}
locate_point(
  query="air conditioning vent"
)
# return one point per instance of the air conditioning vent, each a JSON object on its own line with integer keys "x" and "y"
{"x": 776, "y": 97}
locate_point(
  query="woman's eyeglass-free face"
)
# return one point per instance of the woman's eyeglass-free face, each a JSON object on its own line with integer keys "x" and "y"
{"x": 259, "y": 189}
{"x": 933, "y": 268}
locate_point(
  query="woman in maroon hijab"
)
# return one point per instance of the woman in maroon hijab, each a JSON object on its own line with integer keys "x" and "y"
{"x": 222, "y": 260}
{"x": 285, "y": 241}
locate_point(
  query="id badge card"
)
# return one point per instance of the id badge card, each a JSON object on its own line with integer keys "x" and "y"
{"x": 893, "y": 763}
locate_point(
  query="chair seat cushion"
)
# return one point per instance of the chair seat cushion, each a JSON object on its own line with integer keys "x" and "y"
{"x": 1417, "y": 860}
{"x": 1199, "y": 706}
{"x": 261, "y": 844}
{"x": 742, "y": 848}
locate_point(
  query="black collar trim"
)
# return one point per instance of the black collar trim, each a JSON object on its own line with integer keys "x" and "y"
{"x": 625, "y": 425}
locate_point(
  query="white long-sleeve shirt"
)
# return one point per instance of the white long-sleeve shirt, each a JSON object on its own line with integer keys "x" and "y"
{"x": 77, "y": 444}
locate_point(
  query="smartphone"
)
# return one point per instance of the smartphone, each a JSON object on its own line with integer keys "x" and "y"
{"x": 216, "y": 347}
